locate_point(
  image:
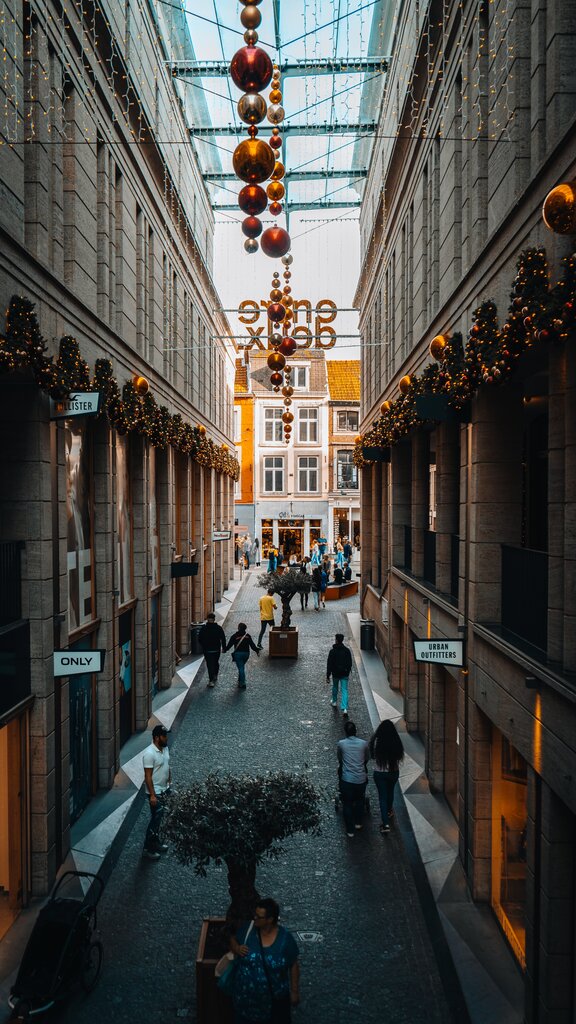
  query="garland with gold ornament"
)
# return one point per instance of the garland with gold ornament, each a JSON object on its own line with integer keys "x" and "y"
{"x": 128, "y": 408}
{"x": 538, "y": 315}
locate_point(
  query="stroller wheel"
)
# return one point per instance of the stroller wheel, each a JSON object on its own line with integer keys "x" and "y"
{"x": 91, "y": 966}
{"x": 20, "y": 1011}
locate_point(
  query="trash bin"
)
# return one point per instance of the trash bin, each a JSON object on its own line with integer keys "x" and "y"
{"x": 367, "y": 634}
{"x": 195, "y": 628}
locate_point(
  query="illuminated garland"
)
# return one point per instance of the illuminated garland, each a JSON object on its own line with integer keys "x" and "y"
{"x": 22, "y": 347}
{"x": 538, "y": 315}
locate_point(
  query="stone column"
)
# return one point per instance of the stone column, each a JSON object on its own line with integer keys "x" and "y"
{"x": 557, "y": 423}
{"x": 475, "y": 793}
{"x": 366, "y": 538}
{"x": 569, "y": 638}
{"x": 401, "y": 499}
{"x": 166, "y": 532}
{"x": 447, "y": 501}
{"x": 197, "y": 510}
{"x": 104, "y": 559}
{"x": 420, "y": 499}
{"x": 218, "y": 547}
{"x": 207, "y": 540}
{"x": 435, "y": 738}
{"x": 376, "y": 559}
{"x": 142, "y": 676}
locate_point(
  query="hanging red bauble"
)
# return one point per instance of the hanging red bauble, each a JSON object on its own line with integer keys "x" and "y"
{"x": 252, "y": 200}
{"x": 275, "y": 209}
{"x": 276, "y": 142}
{"x": 287, "y": 417}
{"x": 288, "y": 347}
{"x": 253, "y": 161}
{"x": 275, "y": 241}
{"x": 276, "y": 361}
{"x": 276, "y": 312}
{"x": 251, "y": 69}
{"x": 288, "y": 391}
{"x": 276, "y": 379}
{"x": 252, "y": 227}
{"x": 251, "y": 16}
{"x": 275, "y": 295}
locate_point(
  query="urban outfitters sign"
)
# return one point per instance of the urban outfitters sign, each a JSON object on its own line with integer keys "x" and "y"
{"x": 445, "y": 652}
{"x": 311, "y": 324}
{"x": 77, "y": 663}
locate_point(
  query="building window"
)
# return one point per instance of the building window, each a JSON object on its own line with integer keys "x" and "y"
{"x": 346, "y": 471}
{"x": 308, "y": 425}
{"x": 273, "y": 425}
{"x": 300, "y": 378}
{"x": 347, "y": 421}
{"x": 308, "y": 473}
{"x": 273, "y": 473}
{"x": 237, "y": 427}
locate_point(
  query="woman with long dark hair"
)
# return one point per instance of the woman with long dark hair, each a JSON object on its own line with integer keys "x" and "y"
{"x": 387, "y": 751}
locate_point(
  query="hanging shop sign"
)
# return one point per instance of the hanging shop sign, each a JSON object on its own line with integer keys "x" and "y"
{"x": 445, "y": 652}
{"x": 180, "y": 569}
{"x": 307, "y": 334}
{"x": 83, "y": 403}
{"x": 76, "y": 663}
{"x": 221, "y": 534}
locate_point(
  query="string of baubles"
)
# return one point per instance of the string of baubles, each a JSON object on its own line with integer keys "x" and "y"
{"x": 281, "y": 316}
{"x": 254, "y": 160}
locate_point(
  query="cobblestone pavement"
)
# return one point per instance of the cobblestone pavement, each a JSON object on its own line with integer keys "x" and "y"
{"x": 366, "y": 954}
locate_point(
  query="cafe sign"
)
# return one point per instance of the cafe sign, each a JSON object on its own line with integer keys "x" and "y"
{"x": 311, "y": 324}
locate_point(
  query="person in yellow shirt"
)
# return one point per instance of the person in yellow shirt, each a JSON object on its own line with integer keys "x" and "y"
{"x": 267, "y": 606}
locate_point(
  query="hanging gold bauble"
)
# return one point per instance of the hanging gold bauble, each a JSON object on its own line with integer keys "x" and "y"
{"x": 287, "y": 300}
{"x": 251, "y": 246}
{"x": 278, "y": 172}
{"x": 250, "y": 37}
{"x": 275, "y": 191}
{"x": 252, "y": 108}
{"x": 141, "y": 385}
{"x": 358, "y": 438}
{"x": 201, "y": 428}
{"x": 559, "y": 209}
{"x": 287, "y": 417}
{"x": 276, "y": 95}
{"x": 249, "y": 3}
{"x": 288, "y": 391}
{"x": 224, "y": 447}
{"x": 286, "y": 275}
{"x": 404, "y": 385}
{"x": 276, "y": 295}
{"x": 251, "y": 16}
{"x": 438, "y": 346}
{"x": 289, "y": 314}
{"x": 287, "y": 259}
{"x": 253, "y": 161}
{"x": 385, "y": 407}
{"x": 287, "y": 402}
{"x": 276, "y": 114}
{"x": 276, "y": 361}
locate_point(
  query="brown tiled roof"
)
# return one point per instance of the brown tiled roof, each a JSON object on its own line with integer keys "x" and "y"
{"x": 241, "y": 378}
{"x": 343, "y": 379}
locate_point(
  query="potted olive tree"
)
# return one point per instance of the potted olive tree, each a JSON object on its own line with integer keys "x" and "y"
{"x": 283, "y": 642}
{"x": 236, "y": 820}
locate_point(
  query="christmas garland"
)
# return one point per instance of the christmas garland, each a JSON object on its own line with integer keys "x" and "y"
{"x": 23, "y": 347}
{"x": 538, "y": 314}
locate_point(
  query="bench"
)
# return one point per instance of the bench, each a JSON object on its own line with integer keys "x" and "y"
{"x": 334, "y": 591}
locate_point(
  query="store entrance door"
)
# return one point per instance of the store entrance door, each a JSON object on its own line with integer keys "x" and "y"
{"x": 12, "y": 792}
{"x": 291, "y": 541}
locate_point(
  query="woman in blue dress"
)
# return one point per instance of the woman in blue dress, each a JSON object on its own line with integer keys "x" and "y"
{"x": 266, "y": 984}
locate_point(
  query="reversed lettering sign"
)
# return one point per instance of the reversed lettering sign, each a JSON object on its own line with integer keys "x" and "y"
{"x": 445, "y": 652}
{"x": 84, "y": 403}
{"x": 221, "y": 534}
{"x": 314, "y": 332}
{"x": 76, "y": 663}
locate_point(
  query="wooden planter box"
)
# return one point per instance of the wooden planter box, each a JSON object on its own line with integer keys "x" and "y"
{"x": 212, "y": 1007}
{"x": 283, "y": 643}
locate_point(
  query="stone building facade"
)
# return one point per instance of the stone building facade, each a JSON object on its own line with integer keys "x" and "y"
{"x": 467, "y": 520}
{"x": 106, "y": 227}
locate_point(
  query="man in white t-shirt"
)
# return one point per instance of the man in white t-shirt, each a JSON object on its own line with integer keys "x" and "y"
{"x": 156, "y": 761}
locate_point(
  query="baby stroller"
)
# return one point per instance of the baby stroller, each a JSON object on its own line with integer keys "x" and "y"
{"x": 61, "y": 951}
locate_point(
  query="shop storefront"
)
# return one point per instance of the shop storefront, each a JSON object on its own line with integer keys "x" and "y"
{"x": 509, "y": 827}
{"x": 293, "y": 534}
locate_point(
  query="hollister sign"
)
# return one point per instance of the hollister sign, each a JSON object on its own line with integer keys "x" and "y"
{"x": 84, "y": 403}
{"x": 77, "y": 663}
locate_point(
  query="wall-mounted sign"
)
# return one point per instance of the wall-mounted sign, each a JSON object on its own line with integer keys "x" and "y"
{"x": 445, "y": 652}
{"x": 292, "y": 516}
{"x": 307, "y": 334}
{"x": 221, "y": 534}
{"x": 180, "y": 569}
{"x": 83, "y": 403}
{"x": 76, "y": 663}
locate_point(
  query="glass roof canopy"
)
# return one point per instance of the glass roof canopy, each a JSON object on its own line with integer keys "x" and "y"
{"x": 332, "y": 57}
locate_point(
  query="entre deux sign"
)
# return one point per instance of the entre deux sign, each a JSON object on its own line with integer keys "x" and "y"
{"x": 445, "y": 652}
{"x": 309, "y": 334}
{"x": 76, "y": 663}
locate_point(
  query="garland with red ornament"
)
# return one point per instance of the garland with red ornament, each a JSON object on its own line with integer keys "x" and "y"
{"x": 538, "y": 315}
{"x": 22, "y": 348}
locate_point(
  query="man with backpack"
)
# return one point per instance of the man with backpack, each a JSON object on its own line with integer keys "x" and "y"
{"x": 339, "y": 667}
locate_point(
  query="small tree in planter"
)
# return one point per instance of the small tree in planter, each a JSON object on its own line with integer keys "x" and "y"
{"x": 239, "y": 820}
{"x": 286, "y": 584}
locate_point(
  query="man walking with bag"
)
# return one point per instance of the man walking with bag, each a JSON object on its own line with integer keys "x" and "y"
{"x": 212, "y": 640}
{"x": 267, "y": 606}
{"x": 339, "y": 667}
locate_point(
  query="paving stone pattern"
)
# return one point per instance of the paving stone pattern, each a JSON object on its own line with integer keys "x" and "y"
{"x": 366, "y": 954}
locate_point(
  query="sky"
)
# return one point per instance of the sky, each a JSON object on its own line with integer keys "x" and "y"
{"x": 325, "y": 243}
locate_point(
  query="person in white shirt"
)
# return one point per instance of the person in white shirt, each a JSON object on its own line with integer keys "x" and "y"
{"x": 353, "y": 756}
{"x": 157, "y": 777}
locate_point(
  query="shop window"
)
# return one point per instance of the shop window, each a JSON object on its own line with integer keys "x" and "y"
{"x": 267, "y": 537}
{"x": 509, "y": 824}
{"x": 79, "y": 547}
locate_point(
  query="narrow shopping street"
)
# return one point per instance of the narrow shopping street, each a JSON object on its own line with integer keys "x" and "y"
{"x": 366, "y": 947}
